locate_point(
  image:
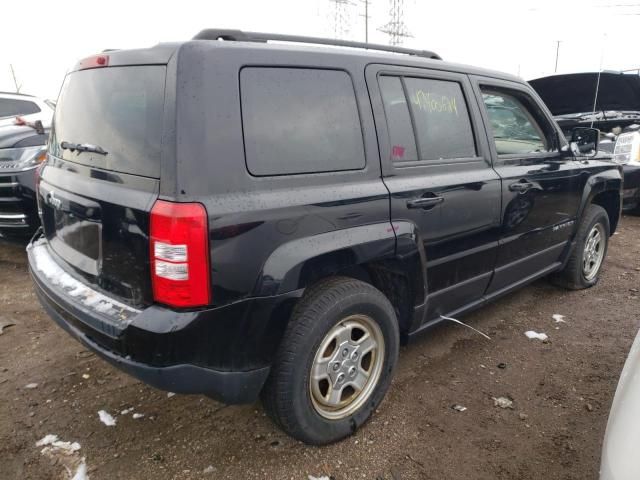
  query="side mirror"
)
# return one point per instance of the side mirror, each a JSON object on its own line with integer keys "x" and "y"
{"x": 38, "y": 126}
{"x": 584, "y": 141}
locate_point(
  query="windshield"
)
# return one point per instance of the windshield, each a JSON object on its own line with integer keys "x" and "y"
{"x": 118, "y": 109}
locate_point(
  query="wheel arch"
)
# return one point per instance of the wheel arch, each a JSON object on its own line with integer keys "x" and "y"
{"x": 387, "y": 256}
{"x": 604, "y": 189}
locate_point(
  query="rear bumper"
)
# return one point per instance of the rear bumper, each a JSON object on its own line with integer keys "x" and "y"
{"x": 182, "y": 352}
{"x": 18, "y": 208}
{"x": 631, "y": 188}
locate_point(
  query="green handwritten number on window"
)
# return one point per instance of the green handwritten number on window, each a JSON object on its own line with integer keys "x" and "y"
{"x": 431, "y": 103}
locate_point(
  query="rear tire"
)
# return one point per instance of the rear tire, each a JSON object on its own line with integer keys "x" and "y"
{"x": 592, "y": 240}
{"x": 335, "y": 362}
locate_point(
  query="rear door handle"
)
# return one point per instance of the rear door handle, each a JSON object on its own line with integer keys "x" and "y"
{"x": 425, "y": 202}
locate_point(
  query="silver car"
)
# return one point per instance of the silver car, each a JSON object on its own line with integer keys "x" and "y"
{"x": 621, "y": 449}
{"x": 28, "y": 107}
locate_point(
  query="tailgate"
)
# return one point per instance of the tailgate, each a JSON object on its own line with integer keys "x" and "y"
{"x": 98, "y": 227}
{"x": 102, "y": 177}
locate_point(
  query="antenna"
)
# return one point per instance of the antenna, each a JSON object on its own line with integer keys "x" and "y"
{"x": 595, "y": 98}
{"x": 395, "y": 27}
{"x": 15, "y": 80}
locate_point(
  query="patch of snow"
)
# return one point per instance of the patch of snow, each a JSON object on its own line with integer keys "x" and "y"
{"x": 67, "y": 447}
{"x": 459, "y": 408}
{"x": 86, "y": 376}
{"x": 47, "y": 440}
{"x": 126, "y": 411}
{"x": 92, "y": 299}
{"x": 138, "y": 415}
{"x": 31, "y": 386}
{"x": 311, "y": 477}
{"x": 104, "y": 307}
{"x": 58, "y": 277}
{"x": 502, "y": 402}
{"x": 76, "y": 291}
{"x": 51, "y": 442}
{"x": 559, "y": 318}
{"x": 107, "y": 419}
{"x": 209, "y": 469}
{"x": 65, "y": 454}
{"x": 81, "y": 472}
{"x": 539, "y": 336}
{"x": 170, "y": 394}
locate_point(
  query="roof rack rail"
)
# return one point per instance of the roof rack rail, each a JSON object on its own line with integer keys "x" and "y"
{"x": 240, "y": 36}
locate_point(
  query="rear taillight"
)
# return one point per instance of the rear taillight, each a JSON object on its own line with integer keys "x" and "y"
{"x": 180, "y": 254}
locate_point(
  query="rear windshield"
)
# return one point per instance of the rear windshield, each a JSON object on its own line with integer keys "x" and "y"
{"x": 118, "y": 109}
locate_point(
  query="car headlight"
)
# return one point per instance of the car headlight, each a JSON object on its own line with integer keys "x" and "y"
{"x": 18, "y": 159}
{"x": 627, "y": 149}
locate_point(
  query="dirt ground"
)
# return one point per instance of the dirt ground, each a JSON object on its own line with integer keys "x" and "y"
{"x": 561, "y": 393}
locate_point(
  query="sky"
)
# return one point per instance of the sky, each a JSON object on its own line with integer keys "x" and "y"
{"x": 47, "y": 37}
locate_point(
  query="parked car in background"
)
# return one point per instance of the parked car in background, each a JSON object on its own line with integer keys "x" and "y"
{"x": 627, "y": 153}
{"x": 29, "y": 108}
{"x": 609, "y": 101}
{"x": 242, "y": 219}
{"x": 22, "y": 149}
{"x": 620, "y": 460}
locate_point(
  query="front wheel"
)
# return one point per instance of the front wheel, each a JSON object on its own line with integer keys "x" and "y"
{"x": 335, "y": 362}
{"x": 585, "y": 263}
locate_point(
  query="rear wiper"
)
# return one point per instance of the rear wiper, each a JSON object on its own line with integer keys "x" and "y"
{"x": 83, "y": 147}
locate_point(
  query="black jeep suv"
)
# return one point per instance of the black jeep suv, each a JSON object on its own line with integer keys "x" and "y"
{"x": 243, "y": 219}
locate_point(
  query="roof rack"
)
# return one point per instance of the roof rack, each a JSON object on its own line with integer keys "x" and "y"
{"x": 240, "y": 36}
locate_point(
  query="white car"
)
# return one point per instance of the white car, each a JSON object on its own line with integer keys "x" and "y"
{"x": 29, "y": 108}
{"x": 621, "y": 448}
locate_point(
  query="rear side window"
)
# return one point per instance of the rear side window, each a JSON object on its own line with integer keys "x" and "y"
{"x": 10, "y": 107}
{"x": 441, "y": 118}
{"x": 299, "y": 120}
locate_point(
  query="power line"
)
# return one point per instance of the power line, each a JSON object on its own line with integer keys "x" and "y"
{"x": 366, "y": 16}
{"x": 341, "y": 20}
{"x": 395, "y": 27}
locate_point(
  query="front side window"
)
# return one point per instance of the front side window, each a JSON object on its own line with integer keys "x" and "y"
{"x": 300, "y": 120}
{"x": 515, "y": 127}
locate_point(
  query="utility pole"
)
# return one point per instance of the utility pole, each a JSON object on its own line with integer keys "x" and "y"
{"x": 341, "y": 17}
{"x": 366, "y": 19}
{"x": 557, "y": 53}
{"x": 395, "y": 27}
{"x": 15, "y": 80}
